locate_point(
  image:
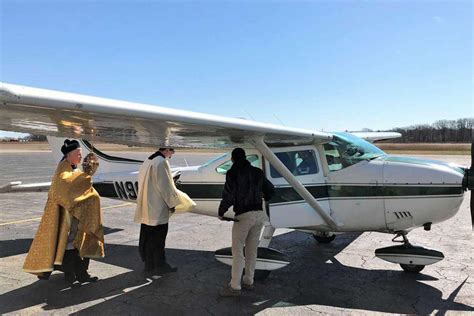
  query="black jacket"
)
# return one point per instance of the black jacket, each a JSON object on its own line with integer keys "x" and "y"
{"x": 244, "y": 188}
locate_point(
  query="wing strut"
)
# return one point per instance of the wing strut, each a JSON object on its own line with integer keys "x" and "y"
{"x": 299, "y": 188}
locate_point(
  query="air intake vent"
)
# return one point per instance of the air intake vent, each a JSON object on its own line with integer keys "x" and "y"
{"x": 401, "y": 215}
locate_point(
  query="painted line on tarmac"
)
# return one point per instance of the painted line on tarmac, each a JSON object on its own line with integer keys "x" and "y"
{"x": 115, "y": 206}
{"x": 21, "y": 221}
{"x": 38, "y": 218}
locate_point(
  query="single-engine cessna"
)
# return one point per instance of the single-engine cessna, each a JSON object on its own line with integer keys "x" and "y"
{"x": 326, "y": 183}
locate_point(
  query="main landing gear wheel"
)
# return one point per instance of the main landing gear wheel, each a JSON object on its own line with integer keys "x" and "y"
{"x": 324, "y": 238}
{"x": 412, "y": 268}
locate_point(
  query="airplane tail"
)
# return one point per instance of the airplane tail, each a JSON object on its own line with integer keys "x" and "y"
{"x": 376, "y": 136}
{"x": 107, "y": 163}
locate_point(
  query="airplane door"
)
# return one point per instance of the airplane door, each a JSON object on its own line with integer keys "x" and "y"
{"x": 288, "y": 208}
{"x": 355, "y": 191}
{"x": 205, "y": 185}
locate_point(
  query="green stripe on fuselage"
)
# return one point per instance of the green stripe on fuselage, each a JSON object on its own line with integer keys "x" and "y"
{"x": 288, "y": 194}
{"x": 372, "y": 191}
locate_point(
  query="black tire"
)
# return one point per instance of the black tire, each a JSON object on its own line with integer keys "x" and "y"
{"x": 412, "y": 268}
{"x": 261, "y": 275}
{"x": 324, "y": 239}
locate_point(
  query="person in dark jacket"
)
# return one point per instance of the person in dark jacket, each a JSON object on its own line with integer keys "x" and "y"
{"x": 244, "y": 189}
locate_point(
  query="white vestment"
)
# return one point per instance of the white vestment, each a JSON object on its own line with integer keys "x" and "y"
{"x": 157, "y": 193}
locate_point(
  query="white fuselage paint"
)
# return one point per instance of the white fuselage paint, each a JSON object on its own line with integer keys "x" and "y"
{"x": 356, "y": 211}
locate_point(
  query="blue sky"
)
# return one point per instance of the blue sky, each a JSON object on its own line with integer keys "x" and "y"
{"x": 322, "y": 65}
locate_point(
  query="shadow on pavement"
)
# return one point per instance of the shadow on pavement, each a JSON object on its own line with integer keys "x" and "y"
{"x": 15, "y": 247}
{"x": 314, "y": 277}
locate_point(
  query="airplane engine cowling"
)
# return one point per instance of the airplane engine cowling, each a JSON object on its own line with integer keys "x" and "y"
{"x": 420, "y": 191}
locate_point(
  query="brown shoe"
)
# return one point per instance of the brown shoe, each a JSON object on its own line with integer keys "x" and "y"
{"x": 228, "y": 291}
{"x": 248, "y": 287}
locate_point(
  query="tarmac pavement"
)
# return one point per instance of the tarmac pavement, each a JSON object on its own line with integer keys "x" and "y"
{"x": 343, "y": 277}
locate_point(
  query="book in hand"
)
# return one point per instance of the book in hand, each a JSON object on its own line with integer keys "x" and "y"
{"x": 229, "y": 219}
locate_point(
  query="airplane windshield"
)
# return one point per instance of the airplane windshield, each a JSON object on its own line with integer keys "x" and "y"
{"x": 346, "y": 150}
{"x": 214, "y": 159}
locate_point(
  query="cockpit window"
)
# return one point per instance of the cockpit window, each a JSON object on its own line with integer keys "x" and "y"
{"x": 346, "y": 150}
{"x": 300, "y": 163}
{"x": 223, "y": 168}
{"x": 210, "y": 162}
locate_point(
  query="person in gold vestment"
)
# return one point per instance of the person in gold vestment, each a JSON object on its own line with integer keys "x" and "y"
{"x": 70, "y": 231}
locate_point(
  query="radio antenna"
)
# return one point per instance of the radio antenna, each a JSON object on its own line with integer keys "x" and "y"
{"x": 249, "y": 115}
{"x": 279, "y": 120}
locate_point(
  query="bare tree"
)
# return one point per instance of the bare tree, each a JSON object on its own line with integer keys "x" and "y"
{"x": 442, "y": 131}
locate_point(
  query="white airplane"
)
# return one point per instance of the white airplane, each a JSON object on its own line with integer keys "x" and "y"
{"x": 326, "y": 183}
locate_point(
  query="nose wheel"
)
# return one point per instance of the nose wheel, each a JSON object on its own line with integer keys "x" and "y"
{"x": 411, "y": 258}
{"x": 324, "y": 237}
{"x": 408, "y": 267}
{"x": 412, "y": 268}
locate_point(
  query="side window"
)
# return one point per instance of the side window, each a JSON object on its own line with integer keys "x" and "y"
{"x": 333, "y": 157}
{"x": 300, "y": 163}
{"x": 223, "y": 168}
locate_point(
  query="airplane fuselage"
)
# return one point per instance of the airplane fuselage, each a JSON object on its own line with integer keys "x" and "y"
{"x": 385, "y": 193}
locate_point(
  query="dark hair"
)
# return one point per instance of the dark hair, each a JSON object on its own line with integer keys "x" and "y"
{"x": 238, "y": 154}
{"x": 69, "y": 145}
{"x": 164, "y": 148}
{"x": 158, "y": 153}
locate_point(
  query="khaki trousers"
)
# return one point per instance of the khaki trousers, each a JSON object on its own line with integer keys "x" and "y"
{"x": 245, "y": 232}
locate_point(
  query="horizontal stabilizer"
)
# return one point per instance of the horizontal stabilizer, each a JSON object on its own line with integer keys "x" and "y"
{"x": 17, "y": 186}
{"x": 376, "y": 136}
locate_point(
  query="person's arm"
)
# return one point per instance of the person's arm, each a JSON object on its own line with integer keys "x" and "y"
{"x": 227, "y": 196}
{"x": 268, "y": 189}
{"x": 70, "y": 187}
{"x": 166, "y": 185}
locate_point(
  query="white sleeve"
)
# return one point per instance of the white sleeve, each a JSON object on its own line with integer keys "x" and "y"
{"x": 166, "y": 185}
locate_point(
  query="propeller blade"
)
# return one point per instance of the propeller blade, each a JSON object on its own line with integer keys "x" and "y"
{"x": 472, "y": 154}
{"x": 472, "y": 211}
{"x": 471, "y": 178}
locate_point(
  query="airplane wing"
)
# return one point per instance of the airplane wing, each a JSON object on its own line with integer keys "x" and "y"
{"x": 375, "y": 136}
{"x": 48, "y": 112}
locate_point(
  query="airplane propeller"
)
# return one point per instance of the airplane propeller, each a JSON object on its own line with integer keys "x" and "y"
{"x": 471, "y": 183}
{"x": 468, "y": 183}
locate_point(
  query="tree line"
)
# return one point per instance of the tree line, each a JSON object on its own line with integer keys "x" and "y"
{"x": 442, "y": 131}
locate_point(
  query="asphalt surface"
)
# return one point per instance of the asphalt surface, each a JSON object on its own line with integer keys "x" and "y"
{"x": 343, "y": 277}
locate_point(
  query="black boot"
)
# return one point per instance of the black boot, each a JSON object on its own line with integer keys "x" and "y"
{"x": 164, "y": 268}
{"x": 81, "y": 265}
{"x": 44, "y": 276}
{"x": 68, "y": 265}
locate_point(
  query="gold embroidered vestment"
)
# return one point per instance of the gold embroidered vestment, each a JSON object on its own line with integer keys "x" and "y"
{"x": 71, "y": 195}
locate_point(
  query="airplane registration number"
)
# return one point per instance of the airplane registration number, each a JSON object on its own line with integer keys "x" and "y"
{"x": 126, "y": 190}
